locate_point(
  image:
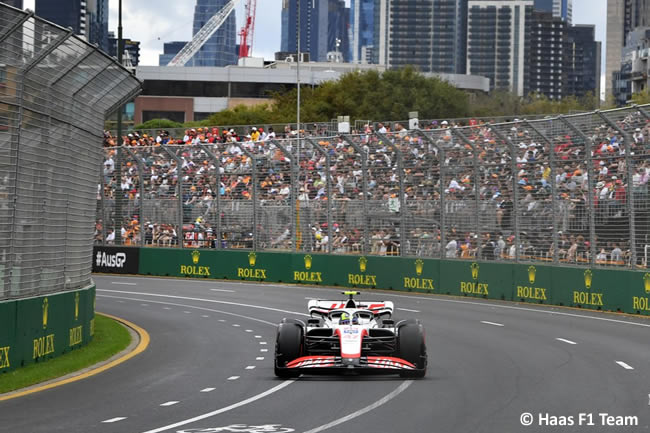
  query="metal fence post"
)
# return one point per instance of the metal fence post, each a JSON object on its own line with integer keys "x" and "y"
{"x": 11, "y": 29}
{"x": 629, "y": 197}
{"x": 642, "y": 111}
{"x": 402, "y": 198}
{"x": 102, "y": 203}
{"x": 515, "y": 189}
{"x": 441, "y": 160}
{"x": 216, "y": 162}
{"x": 551, "y": 157}
{"x": 254, "y": 195}
{"x": 328, "y": 188}
{"x": 364, "y": 169}
{"x": 590, "y": 193}
{"x": 476, "y": 179}
{"x": 141, "y": 171}
{"x": 295, "y": 176}
{"x": 179, "y": 167}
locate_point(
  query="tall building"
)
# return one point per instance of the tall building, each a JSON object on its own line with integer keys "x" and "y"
{"x": 219, "y": 49}
{"x": 15, "y": 3}
{"x": 324, "y": 31}
{"x": 362, "y": 28}
{"x": 429, "y": 34}
{"x": 497, "y": 42}
{"x": 170, "y": 49}
{"x": 548, "y": 40}
{"x": 130, "y": 47}
{"x": 559, "y": 8}
{"x": 87, "y": 18}
{"x": 623, "y": 16}
{"x": 582, "y": 54}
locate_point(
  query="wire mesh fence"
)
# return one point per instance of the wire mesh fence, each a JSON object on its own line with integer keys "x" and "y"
{"x": 564, "y": 190}
{"x": 55, "y": 90}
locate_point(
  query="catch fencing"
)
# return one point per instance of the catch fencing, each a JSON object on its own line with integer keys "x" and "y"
{"x": 562, "y": 190}
{"x": 55, "y": 91}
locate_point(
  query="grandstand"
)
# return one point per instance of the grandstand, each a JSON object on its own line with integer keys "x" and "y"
{"x": 568, "y": 189}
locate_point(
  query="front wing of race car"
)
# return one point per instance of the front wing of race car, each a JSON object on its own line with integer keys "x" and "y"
{"x": 337, "y": 364}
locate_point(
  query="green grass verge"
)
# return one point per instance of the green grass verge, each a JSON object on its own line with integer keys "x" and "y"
{"x": 110, "y": 338}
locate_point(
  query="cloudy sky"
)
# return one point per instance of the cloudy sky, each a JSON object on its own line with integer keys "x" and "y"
{"x": 155, "y": 22}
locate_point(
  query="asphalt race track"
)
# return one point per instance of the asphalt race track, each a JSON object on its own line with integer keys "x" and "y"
{"x": 210, "y": 365}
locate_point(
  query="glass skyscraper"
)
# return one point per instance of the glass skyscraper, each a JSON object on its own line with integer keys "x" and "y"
{"x": 322, "y": 22}
{"x": 87, "y": 18}
{"x": 362, "y": 26}
{"x": 429, "y": 34}
{"x": 221, "y": 48}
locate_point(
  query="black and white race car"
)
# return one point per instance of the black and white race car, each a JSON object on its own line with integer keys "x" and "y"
{"x": 349, "y": 335}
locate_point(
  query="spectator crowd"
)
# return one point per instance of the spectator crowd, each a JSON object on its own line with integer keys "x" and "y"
{"x": 550, "y": 189}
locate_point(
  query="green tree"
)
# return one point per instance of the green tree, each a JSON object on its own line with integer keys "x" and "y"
{"x": 642, "y": 97}
{"x": 390, "y": 95}
{"x": 158, "y": 124}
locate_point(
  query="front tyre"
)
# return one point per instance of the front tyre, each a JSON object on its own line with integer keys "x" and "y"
{"x": 288, "y": 346}
{"x": 411, "y": 347}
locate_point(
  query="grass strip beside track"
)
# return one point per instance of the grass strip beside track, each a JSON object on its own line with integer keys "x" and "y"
{"x": 110, "y": 338}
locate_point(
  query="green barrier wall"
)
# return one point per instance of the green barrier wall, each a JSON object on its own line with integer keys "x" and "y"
{"x": 36, "y": 329}
{"x": 600, "y": 289}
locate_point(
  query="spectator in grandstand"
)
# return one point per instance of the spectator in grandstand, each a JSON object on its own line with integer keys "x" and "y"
{"x": 451, "y": 248}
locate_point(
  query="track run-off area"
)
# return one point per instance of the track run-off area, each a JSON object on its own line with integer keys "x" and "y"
{"x": 493, "y": 367}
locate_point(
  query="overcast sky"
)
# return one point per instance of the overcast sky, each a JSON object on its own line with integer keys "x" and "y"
{"x": 155, "y": 22}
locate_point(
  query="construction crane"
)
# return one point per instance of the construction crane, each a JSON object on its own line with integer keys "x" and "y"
{"x": 246, "y": 32}
{"x": 213, "y": 24}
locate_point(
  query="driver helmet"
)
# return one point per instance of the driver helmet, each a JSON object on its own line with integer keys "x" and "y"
{"x": 345, "y": 319}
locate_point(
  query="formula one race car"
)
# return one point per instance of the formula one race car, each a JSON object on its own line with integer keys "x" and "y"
{"x": 350, "y": 336}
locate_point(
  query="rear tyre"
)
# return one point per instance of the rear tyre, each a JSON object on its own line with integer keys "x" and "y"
{"x": 288, "y": 346}
{"x": 412, "y": 348}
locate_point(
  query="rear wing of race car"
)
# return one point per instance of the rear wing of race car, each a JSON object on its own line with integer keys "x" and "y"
{"x": 323, "y": 307}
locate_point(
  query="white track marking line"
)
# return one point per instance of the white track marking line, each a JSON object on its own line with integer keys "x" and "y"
{"x": 116, "y": 419}
{"x": 249, "y": 330}
{"x": 170, "y": 403}
{"x": 406, "y": 309}
{"x": 262, "y": 342}
{"x": 208, "y": 389}
{"x": 366, "y": 409}
{"x": 166, "y": 308}
{"x": 492, "y": 323}
{"x": 205, "y": 315}
{"x": 186, "y": 312}
{"x": 250, "y": 367}
{"x": 264, "y": 350}
{"x": 236, "y": 325}
{"x": 233, "y": 378}
{"x": 624, "y": 365}
{"x": 259, "y": 358}
{"x": 195, "y": 307}
{"x": 222, "y": 290}
{"x": 207, "y": 300}
{"x": 510, "y": 307}
{"x": 566, "y": 341}
{"x": 258, "y": 336}
{"x": 124, "y": 284}
{"x": 224, "y": 409}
